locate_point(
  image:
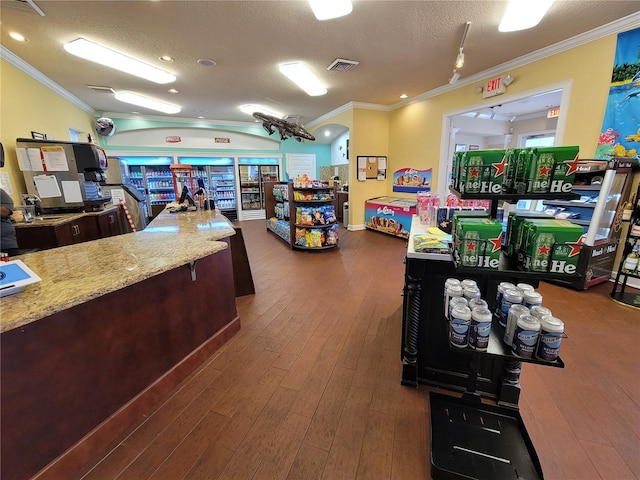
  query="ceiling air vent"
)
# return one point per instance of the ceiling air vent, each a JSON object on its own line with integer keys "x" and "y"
{"x": 27, "y": 6}
{"x": 342, "y": 65}
{"x": 99, "y": 89}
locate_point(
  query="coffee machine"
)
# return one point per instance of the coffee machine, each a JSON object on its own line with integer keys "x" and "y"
{"x": 64, "y": 176}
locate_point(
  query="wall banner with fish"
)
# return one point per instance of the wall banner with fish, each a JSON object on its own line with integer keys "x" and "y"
{"x": 620, "y": 136}
{"x": 410, "y": 180}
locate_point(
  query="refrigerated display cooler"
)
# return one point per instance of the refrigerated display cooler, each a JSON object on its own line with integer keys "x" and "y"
{"x": 390, "y": 215}
{"x": 603, "y": 186}
{"x": 152, "y": 175}
{"x": 217, "y": 177}
{"x": 252, "y": 174}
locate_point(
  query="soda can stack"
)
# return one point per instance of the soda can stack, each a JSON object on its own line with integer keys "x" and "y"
{"x": 468, "y": 315}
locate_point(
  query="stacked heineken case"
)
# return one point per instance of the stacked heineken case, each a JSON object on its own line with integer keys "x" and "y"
{"x": 517, "y": 171}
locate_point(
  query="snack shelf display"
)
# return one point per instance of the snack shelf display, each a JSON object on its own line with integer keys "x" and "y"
{"x": 302, "y": 216}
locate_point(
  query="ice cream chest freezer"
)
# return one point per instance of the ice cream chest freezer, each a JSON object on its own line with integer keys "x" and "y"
{"x": 390, "y": 215}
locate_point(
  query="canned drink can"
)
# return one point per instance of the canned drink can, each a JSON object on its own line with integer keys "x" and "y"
{"x": 525, "y": 337}
{"x": 469, "y": 249}
{"x": 510, "y": 297}
{"x": 542, "y": 173}
{"x": 480, "y": 328}
{"x": 551, "y": 332}
{"x": 515, "y": 312}
{"x": 459, "y": 326}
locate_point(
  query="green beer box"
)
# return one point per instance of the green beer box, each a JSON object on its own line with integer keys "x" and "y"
{"x": 455, "y": 170}
{"x": 566, "y": 164}
{"x": 513, "y": 237}
{"x": 483, "y": 171}
{"x": 551, "y": 246}
{"x": 544, "y": 170}
{"x": 477, "y": 242}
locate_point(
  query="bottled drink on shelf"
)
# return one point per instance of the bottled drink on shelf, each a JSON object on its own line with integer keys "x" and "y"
{"x": 632, "y": 261}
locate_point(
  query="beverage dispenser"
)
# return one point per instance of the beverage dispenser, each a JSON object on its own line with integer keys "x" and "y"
{"x": 65, "y": 176}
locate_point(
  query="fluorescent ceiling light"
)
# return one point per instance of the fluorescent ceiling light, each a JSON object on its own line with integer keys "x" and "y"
{"x": 327, "y": 9}
{"x": 110, "y": 58}
{"x": 135, "y": 99}
{"x": 251, "y": 108}
{"x": 304, "y": 78}
{"x": 523, "y": 14}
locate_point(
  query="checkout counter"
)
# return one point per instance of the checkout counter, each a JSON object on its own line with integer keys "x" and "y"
{"x": 113, "y": 326}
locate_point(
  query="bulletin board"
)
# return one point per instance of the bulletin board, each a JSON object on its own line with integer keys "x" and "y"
{"x": 372, "y": 167}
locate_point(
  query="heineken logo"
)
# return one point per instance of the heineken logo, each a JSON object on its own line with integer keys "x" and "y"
{"x": 573, "y": 165}
{"x": 490, "y": 187}
{"x": 471, "y": 246}
{"x": 543, "y": 171}
{"x": 575, "y": 248}
{"x": 558, "y": 186}
{"x": 543, "y": 250}
{"x": 474, "y": 172}
{"x": 496, "y": 242}
{"x": 499, "y": 167}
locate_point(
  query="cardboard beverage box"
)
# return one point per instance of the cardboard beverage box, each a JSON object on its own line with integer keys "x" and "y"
{"x": 545, "y": 170}
{"x": 483, "y": 171}
{"x": 477, "y": 241}
{"x": 513, "y": 235}
{"x": 551, "y": 246}
{"x": 565, "y": 167}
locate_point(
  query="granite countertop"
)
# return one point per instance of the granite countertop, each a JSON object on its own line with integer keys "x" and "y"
{"x": 75, "y": 274}
{"x": 53, "y": 220}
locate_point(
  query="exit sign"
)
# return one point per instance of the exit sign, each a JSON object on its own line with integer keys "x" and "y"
{"x": 553, "y": 112}
{"x": 493, "y": 87}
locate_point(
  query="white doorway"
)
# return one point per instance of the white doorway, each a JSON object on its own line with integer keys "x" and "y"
{"x": 495, "y": 122}
{"x": 301, "y": 163}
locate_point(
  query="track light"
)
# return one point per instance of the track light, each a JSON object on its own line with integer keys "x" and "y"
{"x": 454, "y": 78}
{"x": 512, "y": 119}
{"x": 460, "y": 59}
{"x": 508, "y": 80}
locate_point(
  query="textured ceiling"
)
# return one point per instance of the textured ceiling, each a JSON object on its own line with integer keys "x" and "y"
{"x": 402, "y": 46}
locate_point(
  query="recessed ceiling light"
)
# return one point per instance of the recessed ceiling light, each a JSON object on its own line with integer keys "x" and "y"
{"x": 327, "y": 9}
{"x": 135, "y": 99}
{"x": 172, "y": 90}
{"x": 18, "y": 37}
{"x": 166, "y": 59}
{"x": 110, "y": 58}
{"x": 327, "y": 133}
{"x": 206, "y": 62}
{"x": 200, "y": 117}
{"x": 404, "y": 95}
{"x": 303, "y": 77}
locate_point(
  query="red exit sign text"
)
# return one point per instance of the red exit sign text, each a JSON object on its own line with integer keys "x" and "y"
{"x": 493, "y": 87}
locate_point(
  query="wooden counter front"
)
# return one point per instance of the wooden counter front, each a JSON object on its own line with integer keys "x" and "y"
{"x": 79, "y": 371}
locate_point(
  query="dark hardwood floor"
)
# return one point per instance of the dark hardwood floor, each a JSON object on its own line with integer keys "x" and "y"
{"x": 310, "y": 387}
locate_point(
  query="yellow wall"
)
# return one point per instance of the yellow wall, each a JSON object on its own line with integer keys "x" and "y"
{"x": 27, "y": 105}
{"x": 368, "y": 137}
{"x": 416, "y": 130}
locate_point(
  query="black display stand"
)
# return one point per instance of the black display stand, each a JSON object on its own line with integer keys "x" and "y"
{"x": 619, "y": 293}
{"x": 468, "y": 438}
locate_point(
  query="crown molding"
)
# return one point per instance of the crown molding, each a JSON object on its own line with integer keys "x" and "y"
{"x": 626, "y": 23}
{"x": 346, "y": 107}
{"x": 20, "y": 64}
